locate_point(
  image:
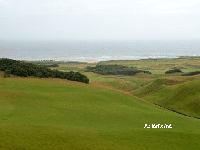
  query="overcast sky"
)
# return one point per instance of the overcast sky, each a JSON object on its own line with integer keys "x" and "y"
{"x": 99, "y": 19}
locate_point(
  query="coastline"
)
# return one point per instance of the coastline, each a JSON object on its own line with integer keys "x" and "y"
{"x": 67, "y": 60}
{"x": 97, "y": 59}
{"x": 96, "y": 51}
{"x": 107, "y": 58}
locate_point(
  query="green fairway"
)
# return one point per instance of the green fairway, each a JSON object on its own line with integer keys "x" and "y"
{"x": 58, "y": 114}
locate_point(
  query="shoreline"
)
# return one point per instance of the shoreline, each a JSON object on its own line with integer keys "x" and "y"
{"x": 99, "y": 59}
{"x": 95, "y": 59}
{"x": 66, "y": 60}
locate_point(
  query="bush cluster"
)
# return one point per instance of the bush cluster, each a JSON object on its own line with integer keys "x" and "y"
{"x": 173, "y": 71}
{"x": 114, "y": 70}
{"x": 191, "y": 73}
{"x": 23, "y": 69}
{"x": 51, "y": 65}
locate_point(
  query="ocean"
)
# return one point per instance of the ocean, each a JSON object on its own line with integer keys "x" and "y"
{"x": 97, "y": 50}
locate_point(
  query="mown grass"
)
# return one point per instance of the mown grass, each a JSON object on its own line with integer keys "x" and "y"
{"x": 60, "y": 114}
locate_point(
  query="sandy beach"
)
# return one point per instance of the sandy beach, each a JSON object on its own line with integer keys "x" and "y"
{"x": 91, "y": 59}
{"x": 87, "y": 60}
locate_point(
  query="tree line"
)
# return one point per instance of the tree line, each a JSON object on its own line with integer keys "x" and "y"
{"x": 24, "y": 69}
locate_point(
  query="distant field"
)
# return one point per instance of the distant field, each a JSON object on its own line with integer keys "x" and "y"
{"x": 157, "y": 66}
{"x": 160, "y": 66}
{"x": 61, "y": 114}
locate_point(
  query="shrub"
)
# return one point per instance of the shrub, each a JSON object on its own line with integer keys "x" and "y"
{"x": 23, "y": 69}
{"x": 115, "y": 70}
{"x": 191, "y": 73}
{"x": 173, "y": 71}
{"x": 7, "y": 73}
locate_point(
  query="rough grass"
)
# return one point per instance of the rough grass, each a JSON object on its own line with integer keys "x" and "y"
{"x": 150, "y": 88}
{"x": 184, "y": 98}
{"x": 111, "y": 81}
{"x": 160, "y": 66}
{"x": 180, "y": 95}
{"x": 60, "y": 114}
{"x": 124, "y": 83}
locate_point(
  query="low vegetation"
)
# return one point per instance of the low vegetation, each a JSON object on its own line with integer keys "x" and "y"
{"x": 191, "y": 73}
{"x": 115, "y": 70}
{"x": 24, "y": 69}
{"x": 173, "y": 71}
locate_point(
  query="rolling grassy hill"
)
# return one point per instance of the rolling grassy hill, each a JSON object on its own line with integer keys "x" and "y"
{"x": 61, "y": 114}
{"x": 183, "y": 97}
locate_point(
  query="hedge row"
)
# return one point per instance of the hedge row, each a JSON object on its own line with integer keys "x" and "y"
{"x": 23, "y": 69}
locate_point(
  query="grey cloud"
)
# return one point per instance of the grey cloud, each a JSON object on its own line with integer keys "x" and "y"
{"x": 105, "y": 19}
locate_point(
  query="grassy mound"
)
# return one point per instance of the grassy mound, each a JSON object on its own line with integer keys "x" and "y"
{"x": 150, "y": 88}
{"x": 183, "y": 98}
{"x": 56, "y": 114}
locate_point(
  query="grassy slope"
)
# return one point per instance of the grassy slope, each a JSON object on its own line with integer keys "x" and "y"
{"x": 112, "y": 81}
{"x": 138, "y": 83}
{"x": 182, "y": 97}
{"x": 58, "y": 114}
